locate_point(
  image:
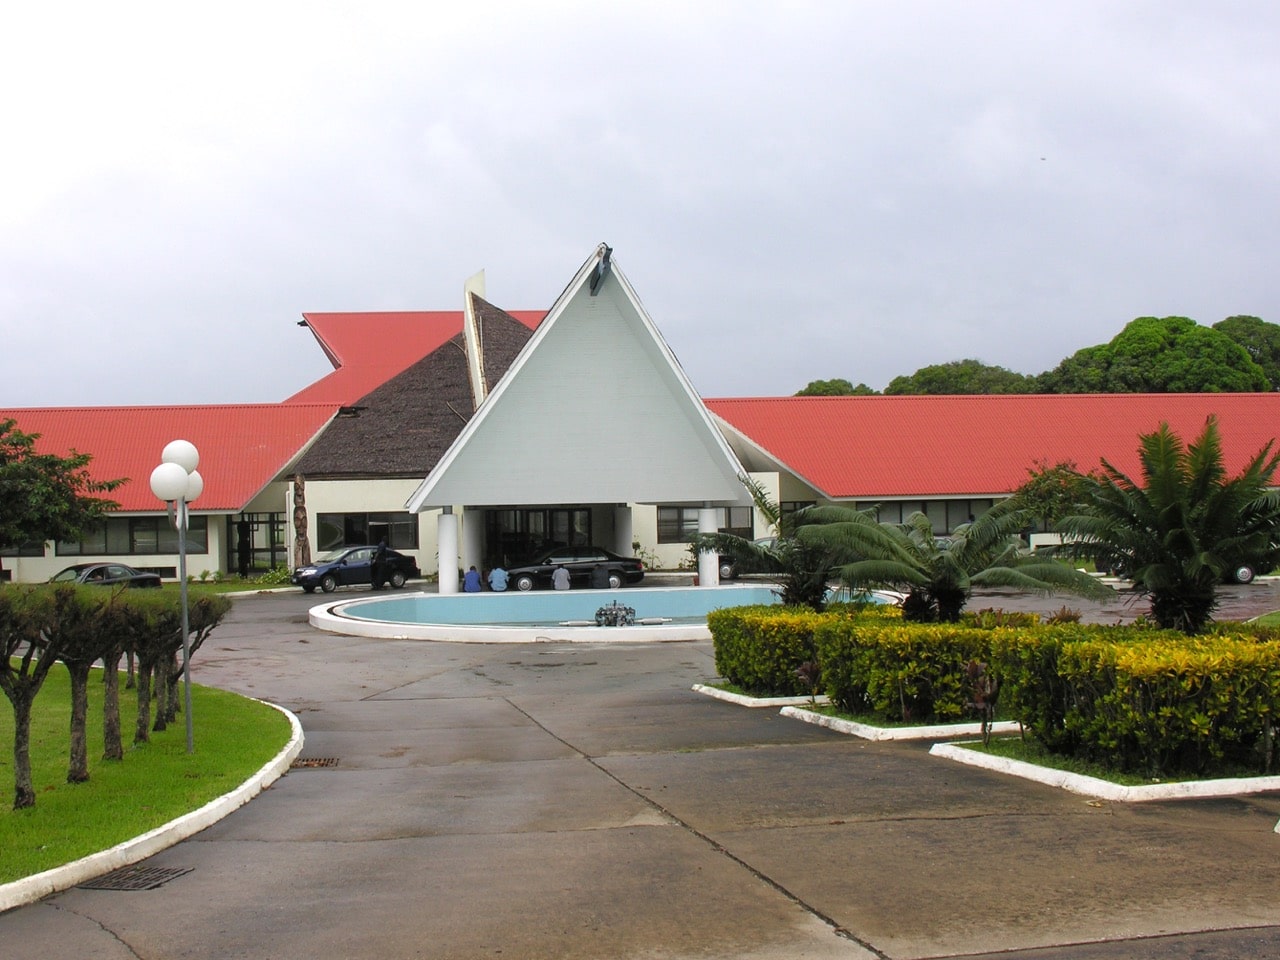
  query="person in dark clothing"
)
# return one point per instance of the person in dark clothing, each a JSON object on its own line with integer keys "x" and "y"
{"x": 471, "y": 582}
{"x": 599, "y": 577}
{"x": 378, "y": 568}
{"x": 244, "y": 550}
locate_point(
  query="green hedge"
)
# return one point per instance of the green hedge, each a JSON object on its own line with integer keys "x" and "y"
{"x": 908, "y": 672}
{"x": 760, "y": 648}
{"x": 1133, "y": 698}
{"x": 1151, "y": 702}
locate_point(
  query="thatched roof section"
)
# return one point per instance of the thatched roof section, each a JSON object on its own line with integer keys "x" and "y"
{"x": 404, "y": 426}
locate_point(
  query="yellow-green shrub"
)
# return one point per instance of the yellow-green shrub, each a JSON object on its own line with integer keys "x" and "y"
{"x": 899, "y": 671}
{"x": 759, "y": 648}
{"x": 1148, "y": 701}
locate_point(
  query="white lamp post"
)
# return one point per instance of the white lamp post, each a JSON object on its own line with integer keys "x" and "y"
{"x": 177, "y": 482}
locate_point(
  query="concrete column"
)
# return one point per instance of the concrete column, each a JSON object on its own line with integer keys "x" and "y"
{"x": 472, "y": 538}
{"x": 622, "y": 530}
{"x": 708, "y": 560}
{"x": 447, "y": 550}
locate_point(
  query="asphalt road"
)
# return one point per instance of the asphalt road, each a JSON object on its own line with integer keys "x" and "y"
{"x": 580, "y": 801}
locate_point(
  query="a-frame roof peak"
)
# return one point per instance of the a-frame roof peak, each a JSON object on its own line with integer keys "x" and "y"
{"x": 595, "y": 409}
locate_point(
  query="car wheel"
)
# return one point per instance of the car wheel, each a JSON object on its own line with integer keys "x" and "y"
{"x": 1242, "y": 574}
{"x": 615, "y": 580}
{"x": 524, "y": 582}
{"x": 726, "y": 571}
{"x": 397, "y": 580}
{"x": 328, "y": 584}
{"x": 311, "y": 589}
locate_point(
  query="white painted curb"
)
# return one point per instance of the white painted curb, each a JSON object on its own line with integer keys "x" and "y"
{"x": 1104, "y": 789}
{"x": 40, "y": 885}
{"x": 744, "y": 701}
{"x": 939, "y": 731}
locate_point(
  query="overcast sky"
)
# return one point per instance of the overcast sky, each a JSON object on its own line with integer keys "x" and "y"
{"x": 797, "y": 191}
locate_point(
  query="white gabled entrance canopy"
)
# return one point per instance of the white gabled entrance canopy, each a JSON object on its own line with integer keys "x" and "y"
{"x": 594, "y": 410}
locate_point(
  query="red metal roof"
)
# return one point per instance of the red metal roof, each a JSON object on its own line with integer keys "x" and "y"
{"x": 242, "y": 447}
{"x": 368, "y": 349}
{"x": 876, "y": 447}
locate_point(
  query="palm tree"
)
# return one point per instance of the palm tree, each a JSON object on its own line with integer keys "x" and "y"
{"x": 800, "y": 570}
{"x": 938, "y": 574}
{"x": 1184, "y": 526}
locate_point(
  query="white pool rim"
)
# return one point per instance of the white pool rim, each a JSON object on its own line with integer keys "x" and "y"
{"x": 330, "y": 617}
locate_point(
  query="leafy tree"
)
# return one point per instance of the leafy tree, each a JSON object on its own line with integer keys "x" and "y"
{"x": 114, "y": 626}
{"x": 1050, "y": 493}
{"x": 1260, "y": 339}
{"x": 800, "y": 570}
{"x": 1183, "y": 525}
{"x": 154, "y": 624}
{"x": 961, "y": 377}
{"x": 75, "y": 624}
{"x": 44, "y": 496}
{"x": 204, "y": 614}
{"x": 835, "y": 388}
{"x": 938, "y": 574}
{"x": 1159, "y": 355}
{"x": 26, "y": 656}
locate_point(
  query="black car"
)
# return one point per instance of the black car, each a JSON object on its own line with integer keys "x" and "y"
{"x": 107, "y": 574}
{"x": 729, "y": 564}
{"x": 580, "y": 562}
{"x": 353, "y": 565}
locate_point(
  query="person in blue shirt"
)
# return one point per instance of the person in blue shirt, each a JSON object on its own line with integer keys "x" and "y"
{"x": 471, "y": 582}
{"x": 497, "y": 579}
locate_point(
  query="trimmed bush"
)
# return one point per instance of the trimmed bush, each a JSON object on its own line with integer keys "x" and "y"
{"x": 1145, "y": 701}
{"x": 900, "y": 672}
{"x": 759, "y": 648}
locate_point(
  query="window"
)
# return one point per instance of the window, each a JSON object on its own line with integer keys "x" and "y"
{"x": 337, "y": 530}
{"x": 33, "y": 549}
{"x": 679, "y": 524}
{"x": 137, "y": 536}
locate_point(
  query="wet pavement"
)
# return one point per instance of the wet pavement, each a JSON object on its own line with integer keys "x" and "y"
{"x": 580, "y": 801}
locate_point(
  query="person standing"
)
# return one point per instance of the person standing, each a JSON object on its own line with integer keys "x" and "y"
{"x": 378, "y": 568}
{"x": 471, "y": 582}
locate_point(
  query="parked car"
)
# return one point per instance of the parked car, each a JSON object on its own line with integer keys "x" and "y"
{"x": 353, "y": 565}
{"x": 729, "y": 565}
{"x": 579, "y": 561}
{"x": 107, "y": 574}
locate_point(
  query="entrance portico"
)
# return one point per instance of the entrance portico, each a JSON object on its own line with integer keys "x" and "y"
{"x": 594, "y": 415}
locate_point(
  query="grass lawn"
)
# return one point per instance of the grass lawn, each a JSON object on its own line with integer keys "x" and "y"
{"x": 1269, "y": 619}
{"x": 155, "y": 783}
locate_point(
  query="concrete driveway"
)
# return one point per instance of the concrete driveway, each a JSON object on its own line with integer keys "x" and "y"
{"x": 582, "y": 802}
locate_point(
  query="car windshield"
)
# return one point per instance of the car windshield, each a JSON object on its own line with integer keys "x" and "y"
{"x": 66, "y": 575}
{"x": 330, "y": 556}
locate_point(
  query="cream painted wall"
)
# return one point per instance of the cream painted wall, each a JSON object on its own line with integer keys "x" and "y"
{"x": 362, "y": 496}
{"x": 40, "y": 569}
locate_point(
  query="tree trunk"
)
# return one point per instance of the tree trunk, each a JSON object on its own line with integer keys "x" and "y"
{"x": 142, "y": 729}
{"x": 23, "y": 794}
{"x": 129, "y": 681}
{"x": 78, "y": 767}
{"x": 174, "y": 707}
{"x": 112, "y": 745}
{"x": 160, "y": 689}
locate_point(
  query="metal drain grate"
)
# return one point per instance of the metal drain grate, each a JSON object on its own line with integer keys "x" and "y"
{"x": 303, "y": 763}
{"x": 135, "y": 878}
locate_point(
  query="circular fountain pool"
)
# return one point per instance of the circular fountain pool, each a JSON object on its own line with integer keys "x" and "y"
{"x": 661, "y": 613}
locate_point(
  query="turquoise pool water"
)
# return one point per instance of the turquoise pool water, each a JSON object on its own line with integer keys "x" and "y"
{"x": 556, "y": 607}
